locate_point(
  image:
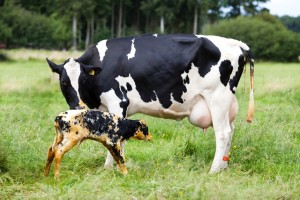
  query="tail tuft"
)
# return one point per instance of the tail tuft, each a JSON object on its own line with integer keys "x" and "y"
{"x": 251, "y": 101}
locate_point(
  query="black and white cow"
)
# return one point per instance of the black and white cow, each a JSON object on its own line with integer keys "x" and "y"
{"x": 167, "y": 76}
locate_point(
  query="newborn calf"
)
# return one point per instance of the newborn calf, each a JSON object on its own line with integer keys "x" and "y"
{"x": 74, "y": 126}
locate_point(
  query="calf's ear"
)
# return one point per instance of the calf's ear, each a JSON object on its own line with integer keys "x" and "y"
{"x": 91, "y": 70}
{"x": 142, "y": 121}
{"x": 54, "y": 67}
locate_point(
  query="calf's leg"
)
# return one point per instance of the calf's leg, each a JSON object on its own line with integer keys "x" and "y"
{"x": 50, "y": 158}
{"x": 109, "y": 157}
{"x": 60, "y": 150}
{"x": 116, "y": 153}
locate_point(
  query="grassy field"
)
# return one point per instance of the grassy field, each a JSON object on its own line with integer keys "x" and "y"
{"x": 265, "y": 157}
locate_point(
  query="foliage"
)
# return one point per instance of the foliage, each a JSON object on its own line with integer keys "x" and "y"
{"x": 292, "y": 23}
{"x": 96, "y": 15}
{"x": 64, "y": 24}
{"x": 29, "y": 29}
{"x": 5, "y": 31}
{"x": 264, "y": 156}
{"x": 250, "y": 7}
{"x": 267, "y": 36}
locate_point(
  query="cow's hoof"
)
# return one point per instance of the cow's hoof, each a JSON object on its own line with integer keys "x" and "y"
{"x": 223, "y": 166}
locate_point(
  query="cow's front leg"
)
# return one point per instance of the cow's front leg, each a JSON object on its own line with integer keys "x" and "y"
{"x": 109, "y": 160}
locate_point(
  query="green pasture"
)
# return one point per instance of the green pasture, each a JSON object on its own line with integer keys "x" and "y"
{"x": 265, "y": 156}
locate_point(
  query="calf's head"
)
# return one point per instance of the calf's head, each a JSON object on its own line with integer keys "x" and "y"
{"x": 142, "y": 132}
{"x": 73, "y": 76}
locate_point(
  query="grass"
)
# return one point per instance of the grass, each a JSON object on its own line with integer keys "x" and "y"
{"x": 265, "y": 158}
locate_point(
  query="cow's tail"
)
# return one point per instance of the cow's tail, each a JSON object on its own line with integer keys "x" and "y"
{"x": 251, "y": 101}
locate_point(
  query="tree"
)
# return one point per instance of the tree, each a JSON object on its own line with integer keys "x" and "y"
{"x": 237, "y": 7}
{"x": 5, "y": 32}
{"x": 292, "y": 23}
{"x": 30, "y": 29}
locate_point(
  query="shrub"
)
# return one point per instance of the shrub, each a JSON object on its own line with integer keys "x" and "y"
{"x": 22, "y": 28}
{"x": 266, "y": 36}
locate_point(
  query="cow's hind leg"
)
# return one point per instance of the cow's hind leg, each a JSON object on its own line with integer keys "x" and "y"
{"x": 227, "y": 151}
{"x": 220, "y": 109}
{"x": 232, "y": 114}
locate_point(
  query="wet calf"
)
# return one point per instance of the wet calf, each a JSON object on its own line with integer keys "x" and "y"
{"x": 74, "y": 126}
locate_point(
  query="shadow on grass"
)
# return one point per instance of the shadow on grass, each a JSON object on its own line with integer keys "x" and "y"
{"x": 3, "y": 161}
{"x": 3, "y": 57}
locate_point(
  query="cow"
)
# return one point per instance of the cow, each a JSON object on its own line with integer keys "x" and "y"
{"x": 168, "y": 76}
{"x": 74, "y": 126}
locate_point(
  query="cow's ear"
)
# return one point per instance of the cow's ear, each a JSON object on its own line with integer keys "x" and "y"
{"x": 54, "y": 67}
{"x": 91, "y": 70}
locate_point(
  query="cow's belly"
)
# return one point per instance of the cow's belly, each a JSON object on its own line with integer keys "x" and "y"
{"x": 176, "y": 111}
{"x": 195, "y": 109}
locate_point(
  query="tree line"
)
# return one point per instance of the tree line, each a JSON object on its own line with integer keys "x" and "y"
{"x": 76, "y": 24}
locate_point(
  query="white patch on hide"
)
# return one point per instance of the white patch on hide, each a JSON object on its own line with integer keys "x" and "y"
{"x": 112, "y": 102}
{"x": 184, "y": 75}
{"x": 71, "y": 114}
{"x": 132, "y": 51}
{"x": 102, "y": 48}
{"x": 73, "y": 71}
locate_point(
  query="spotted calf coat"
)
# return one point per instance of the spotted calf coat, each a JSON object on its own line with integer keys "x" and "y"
{"x": 74, "y": 126}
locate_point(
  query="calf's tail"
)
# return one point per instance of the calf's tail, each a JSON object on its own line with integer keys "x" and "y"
{"x": 251, "y": 101}
{"x": 58, "y": 135}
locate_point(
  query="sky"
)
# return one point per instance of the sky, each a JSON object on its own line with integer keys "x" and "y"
{"x": 283, "y": 7}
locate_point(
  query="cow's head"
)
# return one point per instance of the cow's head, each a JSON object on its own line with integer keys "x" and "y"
{"x": 73, "y": 76}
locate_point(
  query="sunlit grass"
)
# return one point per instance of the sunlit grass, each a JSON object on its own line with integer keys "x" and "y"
{"x": 265, "y": 160}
